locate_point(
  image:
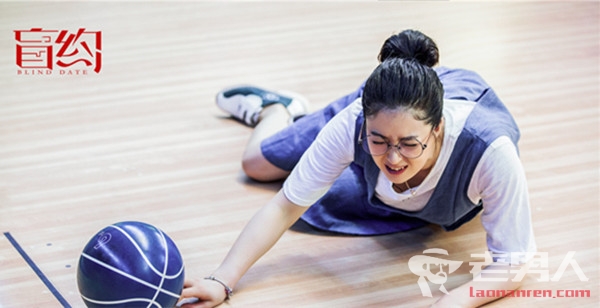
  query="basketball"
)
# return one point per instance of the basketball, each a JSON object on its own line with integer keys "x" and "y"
{"x": 130, "y": 264}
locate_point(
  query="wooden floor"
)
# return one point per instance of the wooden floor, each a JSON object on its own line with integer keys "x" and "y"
{"x": 143, "y": 140}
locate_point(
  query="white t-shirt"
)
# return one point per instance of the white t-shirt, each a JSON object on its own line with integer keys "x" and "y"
{"x": 498, "y": 180}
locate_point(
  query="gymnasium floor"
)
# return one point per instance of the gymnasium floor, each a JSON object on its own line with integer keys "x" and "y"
{"x": 143, "y": 140}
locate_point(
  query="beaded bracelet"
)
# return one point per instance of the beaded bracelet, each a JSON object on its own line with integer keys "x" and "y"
{"x": 228, "y": 290}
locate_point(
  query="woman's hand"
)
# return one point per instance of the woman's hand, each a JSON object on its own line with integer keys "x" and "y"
{"x": 209, "y": 293}
{"x": 259, "y": 235}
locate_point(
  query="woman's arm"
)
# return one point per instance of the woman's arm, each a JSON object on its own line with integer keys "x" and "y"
{"x": 499, "y": 181}
{"x": 319, "y": 167}
{"x": 260, "y": 234}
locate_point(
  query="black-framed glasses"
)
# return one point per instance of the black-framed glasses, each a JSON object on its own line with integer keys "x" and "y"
{"x": 409, "y": 147}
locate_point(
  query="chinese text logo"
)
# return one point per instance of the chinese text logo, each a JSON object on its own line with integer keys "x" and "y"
{"x": 421, "y": 265}
{"x": 436, "y": 270}
{"x": 40, "y": 52}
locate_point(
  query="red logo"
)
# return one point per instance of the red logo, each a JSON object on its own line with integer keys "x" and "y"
{"x": 40, "y": 52}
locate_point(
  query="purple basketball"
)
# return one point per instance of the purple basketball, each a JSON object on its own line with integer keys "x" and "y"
{"x": 130, "y": 264}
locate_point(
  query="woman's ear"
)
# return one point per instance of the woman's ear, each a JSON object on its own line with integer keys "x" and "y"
{"x": 438, "y": 128}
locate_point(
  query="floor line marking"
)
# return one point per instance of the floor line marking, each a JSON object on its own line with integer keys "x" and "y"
{"x": 37, "y": 270}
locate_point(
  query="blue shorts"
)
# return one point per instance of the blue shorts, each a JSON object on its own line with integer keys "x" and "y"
{"x": 345, "y": 208}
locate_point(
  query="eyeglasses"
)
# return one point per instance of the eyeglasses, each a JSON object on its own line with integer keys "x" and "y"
{"x": 409, "y": 147}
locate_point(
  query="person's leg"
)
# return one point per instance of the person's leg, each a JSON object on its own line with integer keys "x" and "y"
{"x": 277, "y": 143}
{"x": 272, "y": 119}
{"x": 268, "y": 112}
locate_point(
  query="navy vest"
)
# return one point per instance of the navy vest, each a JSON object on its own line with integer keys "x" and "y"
{"x": 449, "y": 205}
{"x": 350, "y": 206}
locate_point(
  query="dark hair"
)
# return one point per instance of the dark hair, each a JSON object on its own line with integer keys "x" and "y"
{"x": 405, "y": 80}
{"x": 410, "y": 44}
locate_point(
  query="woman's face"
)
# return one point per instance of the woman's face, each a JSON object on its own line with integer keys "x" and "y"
{"x": 396, "y": 127}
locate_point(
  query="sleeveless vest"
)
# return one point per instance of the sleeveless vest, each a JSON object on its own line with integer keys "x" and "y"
{"x": 342, "y": 210}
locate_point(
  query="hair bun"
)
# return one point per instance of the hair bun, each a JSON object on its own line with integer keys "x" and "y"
{"x": 410, "y": 44}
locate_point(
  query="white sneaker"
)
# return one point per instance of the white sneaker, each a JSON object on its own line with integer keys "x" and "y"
{"x": 246, "y": 102}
